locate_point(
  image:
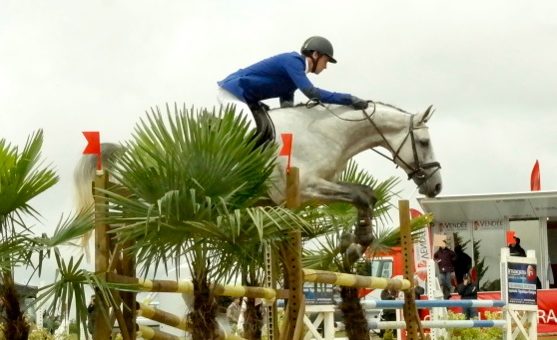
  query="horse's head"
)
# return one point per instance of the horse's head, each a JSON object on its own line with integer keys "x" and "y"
{"x": 415, "y": 155}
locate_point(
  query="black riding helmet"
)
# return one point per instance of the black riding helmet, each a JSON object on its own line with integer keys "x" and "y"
{"x": 320, "y": 45}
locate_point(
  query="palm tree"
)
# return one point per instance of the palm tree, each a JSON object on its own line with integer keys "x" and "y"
{"x": 22, "y": 178}
{"x": 20, "y": 181}
{"x": 336, "y": 222}
{"x": 193, "y": 180}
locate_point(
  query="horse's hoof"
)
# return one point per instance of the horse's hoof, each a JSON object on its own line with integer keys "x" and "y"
{"x": 354, "y": 252}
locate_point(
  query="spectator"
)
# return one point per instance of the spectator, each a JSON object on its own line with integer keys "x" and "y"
{"x": 233, "y": 311}
{"x": 445, "y": 258}
{"x": 468, "y": 291}
{"x": 418, "y": 290}
{"x": 516, "y": 249}
{"x": 462, "y": 264}
{"x": 388, "y": 314}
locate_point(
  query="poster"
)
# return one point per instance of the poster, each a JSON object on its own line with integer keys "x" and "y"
{"x": 521, "y": 278}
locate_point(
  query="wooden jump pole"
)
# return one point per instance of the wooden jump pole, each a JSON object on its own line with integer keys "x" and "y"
{"x": 102, "y": 329}
{"x": 355, "y": 281}
{"x": 413, "y": 325}
{"x": 292, "y": 257}
{"x": 110, "y": 257}
{"x": 153, "y": 334}
{"x": 186, "y": 286}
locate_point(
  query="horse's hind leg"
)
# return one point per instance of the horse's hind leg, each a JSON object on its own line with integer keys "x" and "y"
{"x": 363, "y": 237}
{"x": 362, "y": 197}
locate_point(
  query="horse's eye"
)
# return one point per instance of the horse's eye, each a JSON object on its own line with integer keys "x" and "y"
{"x": 424, "y": 143}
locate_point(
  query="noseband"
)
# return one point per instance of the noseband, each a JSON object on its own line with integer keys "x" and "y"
{"x": 417, "y": 171}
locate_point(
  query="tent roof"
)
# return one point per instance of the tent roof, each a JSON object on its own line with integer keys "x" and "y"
{"x": 525, "y": 205}
{"x": 25, "y": 290}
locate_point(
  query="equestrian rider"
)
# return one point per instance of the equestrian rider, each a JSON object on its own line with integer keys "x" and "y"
{"x": 279, "y": 77}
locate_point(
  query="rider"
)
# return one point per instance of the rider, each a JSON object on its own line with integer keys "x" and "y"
{"x": 279, "y": 77}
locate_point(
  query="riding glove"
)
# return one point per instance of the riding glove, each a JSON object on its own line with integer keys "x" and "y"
{"x": 359, "y": 104}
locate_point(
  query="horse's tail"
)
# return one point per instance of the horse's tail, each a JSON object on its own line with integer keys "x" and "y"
{"x": 84, "y": 175}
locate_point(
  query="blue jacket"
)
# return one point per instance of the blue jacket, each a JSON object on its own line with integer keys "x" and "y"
{"x": 278, "y": 77}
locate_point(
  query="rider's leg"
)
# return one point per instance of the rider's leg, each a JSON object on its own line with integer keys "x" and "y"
{"x": 225, "y": 98}
{"x": 256, "y": 115}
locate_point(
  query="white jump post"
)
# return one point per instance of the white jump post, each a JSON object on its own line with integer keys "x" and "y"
{"x": 434, "y": 292}
{"x": 518, "y": 290}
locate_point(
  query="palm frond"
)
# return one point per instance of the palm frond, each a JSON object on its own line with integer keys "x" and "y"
{"x": 388, "y": 238}
{"x": 324, "y": 252}
{"x": 23, "y": 176}
{"x": 14, "y": 251}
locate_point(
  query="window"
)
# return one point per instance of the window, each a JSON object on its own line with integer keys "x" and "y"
{"x": 382, "y": 267}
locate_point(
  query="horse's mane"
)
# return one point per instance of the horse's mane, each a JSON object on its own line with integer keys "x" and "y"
{"x": 336, "y": 108}
{"x": 304, "y": 108}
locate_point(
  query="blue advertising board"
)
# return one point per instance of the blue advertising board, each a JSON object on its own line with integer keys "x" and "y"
{"x": 521, "y": 278}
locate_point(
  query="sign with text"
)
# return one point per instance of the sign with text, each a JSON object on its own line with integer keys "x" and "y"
{"x": 488, "y": 225}
{"x": 521, "y": 278}
{"x": 422, "y": 253}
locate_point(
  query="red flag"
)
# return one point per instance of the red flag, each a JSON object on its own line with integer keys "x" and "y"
{"x": 510, "y": 237}
{"x": 286, "y": 144}
{"x": 535, "y": 180}
{"x": 415, "y": 213}
{"x": 93, "y": 146}
{"x": 286, "y": 147}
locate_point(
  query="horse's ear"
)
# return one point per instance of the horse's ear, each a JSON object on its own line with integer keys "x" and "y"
{"x": 427, "y": 114}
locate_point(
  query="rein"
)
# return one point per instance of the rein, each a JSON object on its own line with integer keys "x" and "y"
{"x": 417, "y": 171}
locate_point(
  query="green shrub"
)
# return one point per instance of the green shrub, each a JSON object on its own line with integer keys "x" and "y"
{"x": 73, "y": 327}
{"x": 40, "y": 334}
{"x": 491, "y": 333}
{"x": 389, "y": 335}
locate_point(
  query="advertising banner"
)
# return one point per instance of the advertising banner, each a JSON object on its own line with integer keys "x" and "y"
{"x": 547, "y": 308}
{"x": 521, "y": 283}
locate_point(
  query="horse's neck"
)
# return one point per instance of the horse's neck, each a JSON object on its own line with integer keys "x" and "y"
{"x": 350, "y": 130}
{"x": 382, "y": 127}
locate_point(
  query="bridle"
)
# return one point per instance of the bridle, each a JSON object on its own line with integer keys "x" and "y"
{"x": 416, "y": 172}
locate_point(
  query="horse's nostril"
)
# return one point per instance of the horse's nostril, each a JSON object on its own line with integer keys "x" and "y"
{"x": 438, "y": 188}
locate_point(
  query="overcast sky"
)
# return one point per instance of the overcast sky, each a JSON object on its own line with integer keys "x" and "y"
{"x": 489, "y": 68}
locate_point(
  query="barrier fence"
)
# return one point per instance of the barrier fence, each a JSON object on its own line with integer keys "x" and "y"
{"x": 520, "y": 316}
{"x": 392, "y": 304}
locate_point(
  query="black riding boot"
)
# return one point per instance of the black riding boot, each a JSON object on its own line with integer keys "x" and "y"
{"x": 265, "y": 128}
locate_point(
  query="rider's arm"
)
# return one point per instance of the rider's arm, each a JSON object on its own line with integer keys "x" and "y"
{"x": 296, "y": 71}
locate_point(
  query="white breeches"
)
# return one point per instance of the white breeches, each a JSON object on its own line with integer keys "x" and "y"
{"x": 226, "y": 98}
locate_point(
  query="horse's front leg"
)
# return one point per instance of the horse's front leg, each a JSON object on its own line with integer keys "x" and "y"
{"x": 353, "y": 244}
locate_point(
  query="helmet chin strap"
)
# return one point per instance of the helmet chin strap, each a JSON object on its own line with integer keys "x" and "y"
{"x": 314, "y": 62}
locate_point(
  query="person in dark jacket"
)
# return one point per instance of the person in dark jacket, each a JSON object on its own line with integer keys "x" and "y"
{"x": 445, "y": 258}
{"x": 468, "y": 290}
{"x": 462, "y": 264}
{"x": 418, "y": 292}
{"x": 91, "y": 315}
{"x": 388, "y": 314}
{"x": 279, "y": 77}
{"x": 516, "y": 249}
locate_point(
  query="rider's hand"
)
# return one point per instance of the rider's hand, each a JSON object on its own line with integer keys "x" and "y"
{"x": 359, "y": 104}
{"x": 286, "y": 103}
